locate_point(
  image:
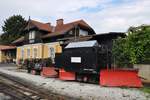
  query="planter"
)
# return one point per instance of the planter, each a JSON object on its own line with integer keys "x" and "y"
{"x": 49, "y": 72}
{"x": 64, "y": 75}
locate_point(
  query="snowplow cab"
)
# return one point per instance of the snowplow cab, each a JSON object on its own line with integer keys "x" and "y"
{"x": 83, "y": 57}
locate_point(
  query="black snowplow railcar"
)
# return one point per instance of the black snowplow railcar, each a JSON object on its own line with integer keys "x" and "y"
{"x": 83, "y": 58}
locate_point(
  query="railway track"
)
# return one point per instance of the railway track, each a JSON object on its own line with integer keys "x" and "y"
{"x": 18, "y": 89}
{"x": 14, "y": 93}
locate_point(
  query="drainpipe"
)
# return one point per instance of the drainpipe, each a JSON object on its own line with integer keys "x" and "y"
{"x": 75, "y": 32}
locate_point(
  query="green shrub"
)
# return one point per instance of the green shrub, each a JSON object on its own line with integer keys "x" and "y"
{"x": 135, "y": 48}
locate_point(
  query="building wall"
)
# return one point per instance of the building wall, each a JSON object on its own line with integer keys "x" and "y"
{"x": 43, "y": 50}
{"x": 5, "y": 56}
{"x": 55, "y": 45}
{"x": 2, "y": 56}
{"x": 22, "y": 51}
{"x": 144, "y": 71}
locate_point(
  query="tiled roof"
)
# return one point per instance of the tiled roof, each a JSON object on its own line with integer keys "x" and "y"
{"x": 39, "y": 25}
{"x": 5, "y": 47}
{"x": 61, "y": 29}
{"x": 54, "y": 30}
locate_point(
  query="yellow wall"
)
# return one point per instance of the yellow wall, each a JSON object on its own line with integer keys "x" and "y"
{"x": 18, "y": 53}
{"x": 45, "y": 51}
{"x": 3, "y": 57}
{"x": 42, "y": 50}
{"x": 31, "y": 48}
{"x": 47, "y": 46}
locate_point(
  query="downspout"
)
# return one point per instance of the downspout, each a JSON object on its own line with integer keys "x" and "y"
{"x": 76, "y": 27}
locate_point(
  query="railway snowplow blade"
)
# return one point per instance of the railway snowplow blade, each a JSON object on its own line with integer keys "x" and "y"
{"x": 63, "y": 75}
{"x": 120, "y": 78}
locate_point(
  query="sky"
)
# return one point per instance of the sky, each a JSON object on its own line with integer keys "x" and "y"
{"x": 102, "y": 15}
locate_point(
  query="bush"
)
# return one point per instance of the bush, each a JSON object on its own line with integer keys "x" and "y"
{"x": 134, "y": 49}
{"x": 48, "y": 62}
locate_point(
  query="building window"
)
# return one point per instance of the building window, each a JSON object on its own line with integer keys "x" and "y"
{"x": 31, "y": 36}
{"x": 35, "y": 52}
{"x": 52, "y": 53}
{"x": 83, "y": 32}
{"x": 28, "y": 53}
{"x": 22, "y": 53}
{"x": 71, "y": 32}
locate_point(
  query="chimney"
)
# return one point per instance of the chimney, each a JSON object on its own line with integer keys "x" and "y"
{"x": 49, "y": 24}
{"x": 59, "y": 22}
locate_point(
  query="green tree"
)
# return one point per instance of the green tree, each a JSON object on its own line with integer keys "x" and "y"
{"x": 120, "y": 54}
{"x": 133, "y": 49}
{"x": 12, "y": 29}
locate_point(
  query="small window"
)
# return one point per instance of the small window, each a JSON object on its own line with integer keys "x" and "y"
{"x": 32, "y": 35}
{"x": 28, "y": 53}
{"x": 83, "y": 32}
{"x": 35, "y": 52}
{"x": 52, "y": 52}
{"x": 22, "y": 53}
{"x": 31, "y": 41}
{"x": 70, "y": 32}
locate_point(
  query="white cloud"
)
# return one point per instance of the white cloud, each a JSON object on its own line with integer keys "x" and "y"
{"x": 120, "y": 17}
{"x": 112, "y": 16}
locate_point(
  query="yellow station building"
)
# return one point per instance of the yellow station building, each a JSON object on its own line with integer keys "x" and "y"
{"x": 43, "y": 40}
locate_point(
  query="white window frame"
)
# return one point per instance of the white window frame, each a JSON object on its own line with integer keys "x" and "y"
{"x": 52, "y": 52}
{"x": 22, "y": 52}
{"x": 32, "y": 35}
{"x": 70, "y": 32}
{"x": 83, "y": 32}
{"x": 28, "y": 52}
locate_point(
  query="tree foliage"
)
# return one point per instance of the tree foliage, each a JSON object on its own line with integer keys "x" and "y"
{"x": 121, "y": 58}
{"x": 12, "y": 29}
{"x": 133, "y": 49}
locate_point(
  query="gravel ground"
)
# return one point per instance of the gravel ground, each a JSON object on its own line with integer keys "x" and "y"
{"x": 79, "y": 90}
{"x": 4, "y": 97}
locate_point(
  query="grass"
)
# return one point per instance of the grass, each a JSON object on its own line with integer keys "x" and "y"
{"x": 146, "y": 89}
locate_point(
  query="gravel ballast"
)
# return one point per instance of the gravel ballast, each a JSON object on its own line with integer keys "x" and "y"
{"x": 78, "y": 90}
